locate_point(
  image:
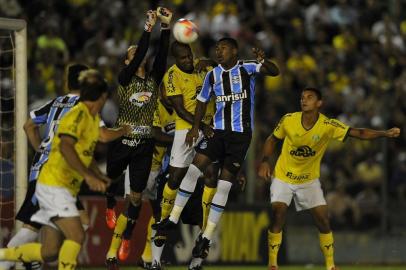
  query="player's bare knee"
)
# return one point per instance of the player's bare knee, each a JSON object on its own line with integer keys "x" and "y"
{"x": 49, "y": 254}
{"x": 278, "y": 214}
{"x": 78, "y": 236}
{"x": 201, "y": 162}
{"x": 135, "y": 198}
{"x": 229, "y": 172}
{"x": 84, "y": 217}
{"x": 323, "y": 224}
{"x": 210, "y": 182}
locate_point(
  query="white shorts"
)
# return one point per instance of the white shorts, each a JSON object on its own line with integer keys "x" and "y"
{"x": 150, "y": 191}
{"x": 181, "y": 154}
{"x": 306, "y": 196}
{"x": 54, "y": 202}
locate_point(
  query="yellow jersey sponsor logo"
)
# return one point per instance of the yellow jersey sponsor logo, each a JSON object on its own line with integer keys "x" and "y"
{"x": 303, "y": 151}
{"x": 298, "y": 177}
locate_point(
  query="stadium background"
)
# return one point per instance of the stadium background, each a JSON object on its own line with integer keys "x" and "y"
{"x": 353, "y": 50}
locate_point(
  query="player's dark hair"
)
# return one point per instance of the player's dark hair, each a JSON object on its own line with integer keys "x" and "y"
{"x": 314, "y": 90}
{"x": 230, "y": 41}
{"x": 73, "y": 75}
{"x": 92, "y": 85}
{"x": 176, "y": 46}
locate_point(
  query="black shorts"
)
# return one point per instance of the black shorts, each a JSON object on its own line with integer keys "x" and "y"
{"x": 30, "y": 206}
{"x": 228, "y": 146}
{"x": 193, "y": 212}
{"x": 137, "y": 154}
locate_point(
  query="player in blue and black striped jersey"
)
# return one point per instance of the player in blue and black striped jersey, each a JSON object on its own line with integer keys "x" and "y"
{"x": 49, "y": 116}
{"x": 232, "y": 83}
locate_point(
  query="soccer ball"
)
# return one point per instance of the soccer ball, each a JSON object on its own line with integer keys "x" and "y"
{"x": 185, "y": 31}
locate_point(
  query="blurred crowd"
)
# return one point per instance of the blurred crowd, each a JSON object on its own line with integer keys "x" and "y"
{"x": 354, "y": 51}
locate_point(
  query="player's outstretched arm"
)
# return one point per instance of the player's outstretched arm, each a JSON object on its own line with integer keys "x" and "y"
{"x": 125, "y": 75}
{"x": 32, "y": 132}
{"x": 268, "y": 67}
{"x": 111, "y": 134}
{"x": 369, "y": 134}
{"x": 266, "y": 168}
{"x": 193, "y": 133}
{"x": 178, "y": 105}
{"x": 95, "y": 168}
{"x": 160, "y": 62}
{"x": 67, "y": 148}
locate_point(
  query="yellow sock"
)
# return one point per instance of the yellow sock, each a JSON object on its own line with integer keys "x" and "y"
{"x": 68, "y": 255}
{"x": 168, "y": 199}
{"x": 116, "y": 239}
{"x": 274, "y": 243}
{"x": 147, "y": 253}
{"x": 327, "y": 247}
{"x": 207, "y": 197}
{"x": 28, "y": 253}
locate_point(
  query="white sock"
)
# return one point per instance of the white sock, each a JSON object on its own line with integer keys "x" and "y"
{"x": 186, "y": 189}
{"x": 217, "y": 207}
{"x": 23, "y": 236}
{"x": 195, "y": 262}
{"x": 156, "y": 251}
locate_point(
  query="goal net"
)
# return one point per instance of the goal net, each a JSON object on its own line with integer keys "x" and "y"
{"x": 13, "y": 113}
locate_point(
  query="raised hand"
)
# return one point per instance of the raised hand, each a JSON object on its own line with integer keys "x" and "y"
{"x": 393, "y": 132}
{"x": 191, "y": 137}
{"x": 150, "y": 21}
{"x": 259, "y": 54}
{"x": 207, "y": 130}
{"x": 127, "y": 129}
{"x": 96, "y": 183}
{"x": 165, "y": 15}
{"x": 203, "y": 64}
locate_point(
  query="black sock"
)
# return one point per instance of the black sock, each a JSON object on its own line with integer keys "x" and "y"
{"x": 110, "y": 193}
{"x": 132, "y": 215}
{"x": 111, "y": 200}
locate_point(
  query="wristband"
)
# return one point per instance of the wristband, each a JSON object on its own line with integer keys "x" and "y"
{"x": 148, "y": 27}
{"x": 164, "y": 26}
{"x": 265, "y": 159}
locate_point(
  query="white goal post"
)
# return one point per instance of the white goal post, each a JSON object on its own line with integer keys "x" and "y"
{"x": 19, "y": 28}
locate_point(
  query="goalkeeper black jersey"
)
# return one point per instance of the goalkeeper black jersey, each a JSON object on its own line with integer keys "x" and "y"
{"x": 138, "y": 101}
{"x": 138, "y": 97}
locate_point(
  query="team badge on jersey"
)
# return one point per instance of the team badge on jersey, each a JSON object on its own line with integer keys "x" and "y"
{"x": 316, "y": 138}
{"x": 203, "y": 144}
{"x": 141, "y": 98}
{"x": 235, "y": 79}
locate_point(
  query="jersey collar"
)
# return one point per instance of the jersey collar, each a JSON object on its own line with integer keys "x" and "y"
{"x": 301, "y": 121}
{"x": 236, "y": 64}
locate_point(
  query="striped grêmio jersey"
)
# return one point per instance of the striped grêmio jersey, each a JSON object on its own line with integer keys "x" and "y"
{"x": 234, "y": 90}
{"x": 49, "y": 115}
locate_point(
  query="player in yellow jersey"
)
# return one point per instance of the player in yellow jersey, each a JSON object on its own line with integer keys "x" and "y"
{"x": 70, "y": 161}
{"x": 182, "y": 83}
{"x": 305, "y": 136}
